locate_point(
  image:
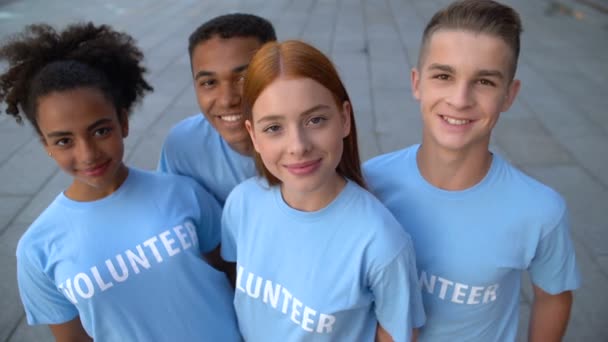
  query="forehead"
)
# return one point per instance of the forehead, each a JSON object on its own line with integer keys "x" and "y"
{"x": 467, "y": 49}
{"x": 286, "y": 96}
{"x": 73, "y": 109}
{"x": 219, "y": 55}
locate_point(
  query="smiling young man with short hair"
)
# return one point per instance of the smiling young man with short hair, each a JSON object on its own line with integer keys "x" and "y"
{"x": 476, "y": 221}
{"x": 213, "y": 146}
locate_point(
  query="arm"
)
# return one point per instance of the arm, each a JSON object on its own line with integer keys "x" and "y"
{"x": 383, "y": 336}
{"x": 214, "y": 259}
{"x": 550, "y": 314}
{"x": 71, "y": 331}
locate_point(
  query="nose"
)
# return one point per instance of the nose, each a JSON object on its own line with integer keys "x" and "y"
{"x": 298, "y": 142}
{"x": 87, "y": 151}
{"x": 230, "y": 95}
{"x": 461, "y": 95}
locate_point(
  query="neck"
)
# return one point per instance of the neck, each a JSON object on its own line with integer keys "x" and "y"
{"x": 316, "y": 199}
{"x": 453, "y": 170}
{"x": 79, "y": 191}
{"x": 244, "y": 148}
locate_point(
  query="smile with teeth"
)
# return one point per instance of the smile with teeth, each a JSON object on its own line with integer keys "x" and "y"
{"x": 453, "y": 121}
{"x": 231, "y": 118}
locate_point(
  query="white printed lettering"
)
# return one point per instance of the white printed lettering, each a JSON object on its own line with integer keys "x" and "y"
{"x": 271, "y": 293}
{"x": 307, "y": 320}
{"x": 168, "y": 243}
{"x": 123, "y": 267}
{"x": 102, "y": 285}
{"x": 295, "y": 310}
{"x": 459, "y": 292}
{"x": 150, "y": 243}
{"x": 475, "y": 294}
{"x": 138, "y": 259}
{"x": 90, "y": 290}
{"x": 326, "y": 322}
{"x": 286, "y": 297}
{"x": 181, "y": 236}
{"x": 444, "y": 286}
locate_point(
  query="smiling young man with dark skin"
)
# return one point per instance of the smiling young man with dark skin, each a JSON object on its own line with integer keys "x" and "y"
{"x": 213, "y": 146}
{"x": 476, "y": 221}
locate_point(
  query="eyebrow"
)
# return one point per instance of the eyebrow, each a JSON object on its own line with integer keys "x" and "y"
{"x": 480, "y": 73}
{"x": 306, "y": 112}
{"x": 90, "y": 128}
{"x": 205, "y": 73}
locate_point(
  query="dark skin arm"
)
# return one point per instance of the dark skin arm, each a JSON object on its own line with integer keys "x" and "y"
{"x": 71, "y": 331}
{"x": 383, "y": 335}
{"x": 214, "y": 259}
{"x": 550, "y": 314}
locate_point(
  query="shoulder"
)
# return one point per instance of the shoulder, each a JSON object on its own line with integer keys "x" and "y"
{"x": 370, "y": 215}
{"x": 537, "y": 199}
{"x": 194, "y": 127}
{"x": 250, "y": 189}
{"x": 163, "y": 184}
{"x": 390, "y": 159}
{"x": 40, "y": 233}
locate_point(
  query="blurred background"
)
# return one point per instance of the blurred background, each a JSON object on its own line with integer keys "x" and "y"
{"x": 557, "y": 130}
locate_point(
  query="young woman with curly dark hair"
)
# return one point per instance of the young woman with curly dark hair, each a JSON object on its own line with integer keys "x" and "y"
{"x": 118, "y": 255}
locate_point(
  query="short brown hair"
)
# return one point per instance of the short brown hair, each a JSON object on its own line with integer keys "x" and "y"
{"x": 478, "y": 16}
{"x": 297, "y": 59}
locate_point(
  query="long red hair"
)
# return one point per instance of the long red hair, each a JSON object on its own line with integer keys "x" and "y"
{"x": 296, "y": 59}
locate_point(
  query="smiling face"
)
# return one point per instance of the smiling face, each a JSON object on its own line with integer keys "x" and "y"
{"x": 298, "y": 130}
{"x": 218, "y": 67}
{"x": 463, "y": 85}
{"x": 81, "y": 130}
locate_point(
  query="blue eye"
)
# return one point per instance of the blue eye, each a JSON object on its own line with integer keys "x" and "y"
{"x": 317, "y": 120}
{"x": 271, "y": 129}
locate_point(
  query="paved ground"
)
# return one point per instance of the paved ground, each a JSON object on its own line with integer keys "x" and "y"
{"x": 557, "y": 131}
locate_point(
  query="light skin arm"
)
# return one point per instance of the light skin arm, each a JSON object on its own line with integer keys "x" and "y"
{"x": 550, "y": 314}
{"x": 383, "y": 335}
{"x": 71, "y": 331}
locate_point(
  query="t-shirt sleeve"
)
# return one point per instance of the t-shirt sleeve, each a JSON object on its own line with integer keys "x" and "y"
{"x": 209, "y": 229}
{"x": 398, "y": 300}
{"x": 553, "y": 267}
{"x": 228, "y": 249}
{"x": 42, "y": 301}
{"x": 163, "y": 161}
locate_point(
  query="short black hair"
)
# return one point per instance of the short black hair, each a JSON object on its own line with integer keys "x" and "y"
{"x": 233, "y": 25}
{"x": 42, "y": 60}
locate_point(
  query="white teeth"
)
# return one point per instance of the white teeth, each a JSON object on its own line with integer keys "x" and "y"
{"x": 453, "y": 121}
{"x": 231, "y": 118}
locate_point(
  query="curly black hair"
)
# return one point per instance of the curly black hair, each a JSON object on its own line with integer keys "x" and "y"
{"x": 233, "y": 25}
{"x": 42, "y": 60}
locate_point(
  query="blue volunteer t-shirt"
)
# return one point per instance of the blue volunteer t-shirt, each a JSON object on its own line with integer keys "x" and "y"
{"x": 328, "y": 275}
{"x": 195, "y": 149}
{"x": 472, "y": 245}
{"x": 130, "y": 264}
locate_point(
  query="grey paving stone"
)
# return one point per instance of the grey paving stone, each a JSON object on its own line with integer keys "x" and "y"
{"x": 525, "y": 141}
{"x": 56, "y": 184}
{"x": 27, "y": 169}
{"x": 10, "y": 207}
{"x": 590, "y": 151}
{"x": 38, "y": 333}
{"x": 10, "y": 303}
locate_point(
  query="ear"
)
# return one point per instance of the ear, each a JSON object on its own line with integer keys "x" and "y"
{"x": 249, "y": 128}
{"x": 124, "y": 123}
{"x": 415, "y": 80}
{"x": 512, "y": 92}
{"x": 345, "y": 116}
